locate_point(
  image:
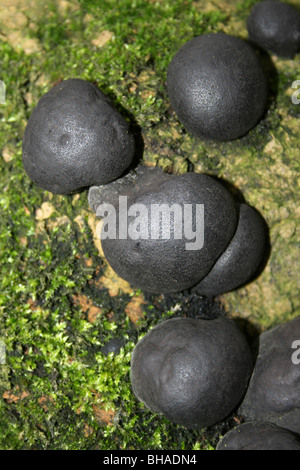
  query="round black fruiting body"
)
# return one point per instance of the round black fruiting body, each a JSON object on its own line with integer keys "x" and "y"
{"x": 75, "y": 138}
{"x": 273, "y": 394}
{"x": 275, "y": 27}
{"x": 259, "y": 435}
{"x": 213, "y": 244}
{"x": 193, "y": 371}
{"x": 217, "y": 86}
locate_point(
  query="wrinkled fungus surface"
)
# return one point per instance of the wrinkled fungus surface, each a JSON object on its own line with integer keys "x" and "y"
{"x": 275, "y": 27}
{"x": 217, "y": 86}
{"x": 75, "y": 138}
{"x": 193, "y": 371}
{"x": 274, "y": 390}
{"x": 259, "y": 435}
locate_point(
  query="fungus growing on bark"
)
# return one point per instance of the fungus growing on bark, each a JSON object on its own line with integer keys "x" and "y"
{"x": 217, "y": 87}
{"x": 75, "y": 138}
{"x": 193, "y": 371}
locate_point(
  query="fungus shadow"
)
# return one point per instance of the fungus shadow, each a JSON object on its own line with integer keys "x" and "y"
{"x": 252, "y": 334}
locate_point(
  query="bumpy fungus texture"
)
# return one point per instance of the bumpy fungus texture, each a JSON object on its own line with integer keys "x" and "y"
{"x": 259, "y": 435}
{"x": 217, "y": 86}
{"x": 275, "y": 27}
{"x": 274, "y": 389}
{"x": 235, "y": 235}
{"x": 193, "y": 371}
{"x": 75, "y": 138}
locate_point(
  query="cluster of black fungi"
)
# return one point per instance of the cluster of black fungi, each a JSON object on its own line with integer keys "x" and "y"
{"x": 193, "y": 371}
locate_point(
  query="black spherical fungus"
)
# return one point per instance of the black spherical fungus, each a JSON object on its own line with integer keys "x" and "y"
{"x": 217, "y": 86}
{"x": 243, "y": 258}
{"x": 193, "y": 371}
{"x": 164, "y": 265}
{"x": 234, "y": 244}
{"x": 274, "y": 389}
{"x": 134, "y": 182}
{"x": 75, "y": 138}
{"x": 275, "y": 27}
{"x": 259, "y": 435}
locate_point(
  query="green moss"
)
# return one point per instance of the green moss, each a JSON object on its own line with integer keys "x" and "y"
{"x": 57, "y": 389}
